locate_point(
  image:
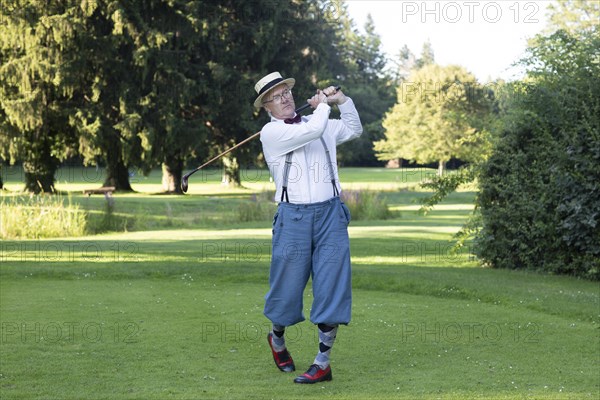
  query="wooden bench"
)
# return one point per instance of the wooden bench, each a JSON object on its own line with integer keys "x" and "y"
{"x": 107, "y": 191}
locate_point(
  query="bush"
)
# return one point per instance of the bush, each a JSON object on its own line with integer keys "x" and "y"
{"x": 40, "y": 216}
{"x": 540, "y": 189}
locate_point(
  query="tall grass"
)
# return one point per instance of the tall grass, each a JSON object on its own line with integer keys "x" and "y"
{"x": 109, "y": 221}
{"x": 40, "y": 216}
{"x": 366, "y": 205}
{"x": 363, "y": 205}
{"x": 45, "y": 216}
{"x": 260, "y": 207}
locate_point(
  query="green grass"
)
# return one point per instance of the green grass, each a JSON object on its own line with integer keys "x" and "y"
{"x": 173, "y": 309}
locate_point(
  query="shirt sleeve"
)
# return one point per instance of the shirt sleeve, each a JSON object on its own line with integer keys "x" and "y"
{"x": 349, "y": 126}
{"x": 281, "y": 138}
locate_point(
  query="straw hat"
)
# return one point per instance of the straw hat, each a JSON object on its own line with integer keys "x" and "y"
{"x": 268, "y": 82}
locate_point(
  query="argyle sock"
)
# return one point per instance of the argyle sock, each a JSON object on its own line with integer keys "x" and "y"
{"x": 278, "y": 339}
{"x": 327, "y": 335}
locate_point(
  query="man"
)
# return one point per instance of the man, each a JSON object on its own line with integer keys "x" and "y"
{"x": 310, "y": 227}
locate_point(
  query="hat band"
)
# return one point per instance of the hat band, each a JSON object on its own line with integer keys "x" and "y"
{"x": 270, "y": 85}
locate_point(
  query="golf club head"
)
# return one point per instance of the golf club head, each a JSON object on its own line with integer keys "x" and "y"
{"x": 184, "y": 184}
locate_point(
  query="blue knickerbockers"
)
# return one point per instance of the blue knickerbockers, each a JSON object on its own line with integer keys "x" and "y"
{"x": 310, "y": 240}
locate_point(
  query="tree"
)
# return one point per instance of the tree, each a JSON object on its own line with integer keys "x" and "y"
{"x": 538, "y": 206}
{"x": 427, "y": 55}
{"x": 239, "y": 43}
{"x": 172, "y": 129}
{"x": 576, "y": 17}
{"x": 441, "y": 112}
{"x": 138, "y": 84}
{"x": 367, "y": 83}
{"x": 112, "y": 63}
{"x": 406, "y": 62}
{"x": 36, "y": 89}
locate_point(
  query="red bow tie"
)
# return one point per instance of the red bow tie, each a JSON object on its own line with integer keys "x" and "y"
{"x": 294, "y": 120}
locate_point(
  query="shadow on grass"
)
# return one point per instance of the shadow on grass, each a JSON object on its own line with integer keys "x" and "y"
{"x": 432, "y": 273}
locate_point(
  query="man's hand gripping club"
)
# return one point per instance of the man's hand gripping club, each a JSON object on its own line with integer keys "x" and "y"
{"x": 330, "y": 95}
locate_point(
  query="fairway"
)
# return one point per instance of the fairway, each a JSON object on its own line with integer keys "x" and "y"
{"x": 171, "y": 306}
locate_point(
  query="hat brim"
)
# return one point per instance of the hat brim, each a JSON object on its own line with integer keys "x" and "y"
{"x": 290, "y": 82}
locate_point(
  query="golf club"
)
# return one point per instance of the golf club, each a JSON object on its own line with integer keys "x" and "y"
{"x": 184, "y": 179}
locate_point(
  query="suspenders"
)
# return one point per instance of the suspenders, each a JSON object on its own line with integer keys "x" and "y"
{"x": 286, "y": 173}
{"x": 331, "y": 171}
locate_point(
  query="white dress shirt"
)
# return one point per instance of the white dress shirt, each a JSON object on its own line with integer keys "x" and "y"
{"x": 310, "y": 175}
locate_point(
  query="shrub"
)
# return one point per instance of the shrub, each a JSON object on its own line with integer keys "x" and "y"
{"x": 540, "y": 189}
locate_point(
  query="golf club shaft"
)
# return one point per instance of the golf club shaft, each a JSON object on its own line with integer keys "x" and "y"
{"x": 224, "y": 153}
{"x": 184, "y": 180}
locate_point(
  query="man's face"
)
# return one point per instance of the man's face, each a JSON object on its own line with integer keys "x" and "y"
{"x": 280, "y": 102}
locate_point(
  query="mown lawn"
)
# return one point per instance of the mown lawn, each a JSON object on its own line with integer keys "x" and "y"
{"x": 172, "y": 308}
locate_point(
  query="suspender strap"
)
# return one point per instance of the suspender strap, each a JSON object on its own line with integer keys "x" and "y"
{"x": 286, "y": 173}
{"x": 331, "y": 169}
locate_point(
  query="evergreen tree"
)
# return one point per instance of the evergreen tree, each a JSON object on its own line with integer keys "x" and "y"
{"x": 172, "y": 130}
{"x": 406, "y": 62}
{"x": 138, "y": 84}
{"x": 367, "y": 83}
{"x": 239, "y": 42}
{"x": 36, "y": 89}
{"x": 112, "y": 60}
{"x": 427, "y": 55}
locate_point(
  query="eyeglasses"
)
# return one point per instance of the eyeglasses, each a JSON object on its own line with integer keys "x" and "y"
{"x": 286, "y": 94}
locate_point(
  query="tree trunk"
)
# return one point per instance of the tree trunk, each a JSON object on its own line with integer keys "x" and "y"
{"x": 231, "y": 172}
{"x": 117, "y": 174}
{"x": 39, "y": 169}
{"x": 37, "y": 181}
{"x": 172, "y": 171}
{"x": 441, "y": 168}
